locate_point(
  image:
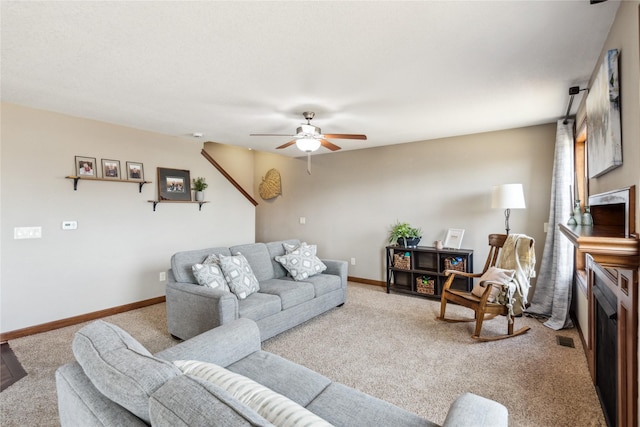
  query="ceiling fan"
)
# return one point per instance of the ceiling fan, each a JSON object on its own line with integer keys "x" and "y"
{"x": 309, "y": 138}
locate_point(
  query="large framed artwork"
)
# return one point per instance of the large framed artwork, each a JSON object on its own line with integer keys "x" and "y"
{"x": 604, "y": 143}
{"x": 174, "y": 184}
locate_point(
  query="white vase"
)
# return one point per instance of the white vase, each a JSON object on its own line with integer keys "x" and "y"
{"x": 199, "y": 196}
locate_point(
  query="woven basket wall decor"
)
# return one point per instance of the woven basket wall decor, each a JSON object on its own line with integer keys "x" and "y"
{"x": 270, "y": 186}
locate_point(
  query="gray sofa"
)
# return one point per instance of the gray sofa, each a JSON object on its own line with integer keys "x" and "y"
{"x": 280, "y": 304}
{"x": 115, "y": 381}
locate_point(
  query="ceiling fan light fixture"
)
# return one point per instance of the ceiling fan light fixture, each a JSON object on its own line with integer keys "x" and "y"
{"x": 308, "y": 144}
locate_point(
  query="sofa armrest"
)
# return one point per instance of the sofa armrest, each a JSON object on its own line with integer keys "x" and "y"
{"x": 471, "y": 410}
{"x": 81, "y": 404}
{"x": 337, "y": 267}
{"x": 193, "y": 309}
{"x": 223, "y": 345}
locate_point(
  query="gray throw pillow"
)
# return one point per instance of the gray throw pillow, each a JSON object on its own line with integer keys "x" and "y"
{"x": 302, "y": 262}
{"x": 210, "y": 275}
{"x": 239, "y": 275}
{"x": 120, "y": 367}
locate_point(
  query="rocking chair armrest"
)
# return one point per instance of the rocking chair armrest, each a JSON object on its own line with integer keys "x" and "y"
{"x": 461, "y": 273}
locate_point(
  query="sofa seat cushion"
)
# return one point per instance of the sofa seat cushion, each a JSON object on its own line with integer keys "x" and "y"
{"x": 291, "y": 293}
{"x": 258, "y": 306}
{"x": 120, "y": 367}
{"x": 325, "y": 283}
{"x": 342, "y": 405}
{"x": 273, "y": 406}
{"x": 297, "y": 382}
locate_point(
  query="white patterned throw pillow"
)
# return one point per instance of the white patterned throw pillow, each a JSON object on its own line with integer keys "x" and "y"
{"x": 239, "y": 275}
{"x": 274, "y": 407}
{"x": 288, "y": 248}
{"x": 210, "y": 275}
{"x": 302, "y": 262}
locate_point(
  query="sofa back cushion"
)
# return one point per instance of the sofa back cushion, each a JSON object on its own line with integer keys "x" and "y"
{"x": 258, "y": 257}
{"x": 182, "y": 262}
{"x": 120, "y": 367}
{"x": 277, "y": 249}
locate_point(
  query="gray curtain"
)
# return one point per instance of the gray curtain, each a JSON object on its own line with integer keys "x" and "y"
{"x": 552, "y": 295}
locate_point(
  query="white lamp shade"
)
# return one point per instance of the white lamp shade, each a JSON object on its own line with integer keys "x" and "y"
{"x": 508, "y": 196}
{"x": 308, "y": 144}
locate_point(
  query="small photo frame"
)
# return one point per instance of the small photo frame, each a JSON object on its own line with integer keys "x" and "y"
{"x": 111, "y": 169}
{"x": 86, "y": 167}
{"x": 454, "y": 238}
{"x": 135, "y": 171}
{"x": 174, "y": 184}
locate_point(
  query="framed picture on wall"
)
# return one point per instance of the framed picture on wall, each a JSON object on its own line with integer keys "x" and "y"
{"x": 174, "y": 184}
{"x": 111, "y": 169}
{"x": 135, "y": 171}
{"x": 454, "y": 238}
{"x": 86, "y": 167}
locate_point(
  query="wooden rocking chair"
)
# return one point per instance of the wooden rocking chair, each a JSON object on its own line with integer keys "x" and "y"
{"x": 484, "y": 310}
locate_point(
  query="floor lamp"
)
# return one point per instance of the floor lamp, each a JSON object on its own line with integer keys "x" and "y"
{"x": 507, "y": 197}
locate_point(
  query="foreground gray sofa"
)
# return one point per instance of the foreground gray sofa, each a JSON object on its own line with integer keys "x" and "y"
{"x": 117, "y": 382}
{"x": 281, "y": 303}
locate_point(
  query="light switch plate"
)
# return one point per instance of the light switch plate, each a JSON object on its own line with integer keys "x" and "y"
{"x": 69, "y": 225}
{"x": 27, "y": 232}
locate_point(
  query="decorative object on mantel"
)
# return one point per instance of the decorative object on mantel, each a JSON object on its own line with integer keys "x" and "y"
{"x": 577, "y": 213}
{"x": 603, "y": 118}
{"x": 199, "y": 185}
{"x": 403, "y": 234}
{"x": 174, "y": 184}
{"x": 587, "y": 219}
{"x": 507, "y": 197}
{"x": 271, "y": 185}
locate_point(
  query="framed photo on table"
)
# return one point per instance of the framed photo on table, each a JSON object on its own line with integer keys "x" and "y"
{"x": 86, "y": 167}
{"x": 111, "y": 169}
{"x": 174, "y": 184}
{"x": 454, "y": 238}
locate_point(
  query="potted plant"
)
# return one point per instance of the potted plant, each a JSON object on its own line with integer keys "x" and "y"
{"x": 403, "y": 234}
{"x": 199, "y": 185}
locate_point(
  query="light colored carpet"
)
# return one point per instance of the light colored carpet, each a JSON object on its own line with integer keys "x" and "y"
{"x": 389, "y": 346}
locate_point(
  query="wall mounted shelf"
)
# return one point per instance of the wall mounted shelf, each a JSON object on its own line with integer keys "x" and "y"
{"x": 78, "y": 178}
{"x": 155, "y": 203}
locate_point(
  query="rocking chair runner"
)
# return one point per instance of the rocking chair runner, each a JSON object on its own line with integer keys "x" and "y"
{"x": 483, "y": 308}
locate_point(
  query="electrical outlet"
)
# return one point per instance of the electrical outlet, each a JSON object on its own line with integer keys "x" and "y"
{"x": 69, "y": 225}
{"x": 163, "y": 276}
{"x": 353, "y": 261}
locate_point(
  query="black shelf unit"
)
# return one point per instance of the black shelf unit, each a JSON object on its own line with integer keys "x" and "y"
{"x": 428, "y": 262}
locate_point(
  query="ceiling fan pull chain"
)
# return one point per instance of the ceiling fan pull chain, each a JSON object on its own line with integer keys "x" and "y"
{"x": 309, "y": 163}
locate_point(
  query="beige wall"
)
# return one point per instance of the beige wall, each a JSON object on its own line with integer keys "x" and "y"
{"x": 352, "y": 198}
{"x": 121, "y": 245}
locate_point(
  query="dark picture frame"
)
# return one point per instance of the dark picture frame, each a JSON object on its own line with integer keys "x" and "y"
{"x": 111, "y": 169}
{"x": 86, "y": 167}
{"x": 174, "y": 184}
{"x": 135, "y": 171}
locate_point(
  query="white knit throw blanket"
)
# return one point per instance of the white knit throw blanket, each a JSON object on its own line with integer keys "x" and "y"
{"x": 518, "y": 253}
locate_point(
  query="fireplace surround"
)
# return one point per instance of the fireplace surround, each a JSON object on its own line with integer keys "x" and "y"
{"x": 606, "y": 263}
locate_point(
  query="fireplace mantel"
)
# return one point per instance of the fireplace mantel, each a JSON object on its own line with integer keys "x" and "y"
{"x": 608, "y": 245}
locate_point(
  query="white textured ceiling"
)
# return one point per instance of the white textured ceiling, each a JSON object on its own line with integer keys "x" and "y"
{"x": 396, "y": 71}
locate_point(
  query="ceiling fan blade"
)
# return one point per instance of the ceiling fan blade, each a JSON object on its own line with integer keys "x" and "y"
{"x": 344, "y": 136}
{"x": 270, "y": 134}
{"x": 329, "y": 145}
{"x": 286, "y": 145}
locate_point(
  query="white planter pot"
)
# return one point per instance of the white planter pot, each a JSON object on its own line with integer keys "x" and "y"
{"x": 199, "y": 196}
